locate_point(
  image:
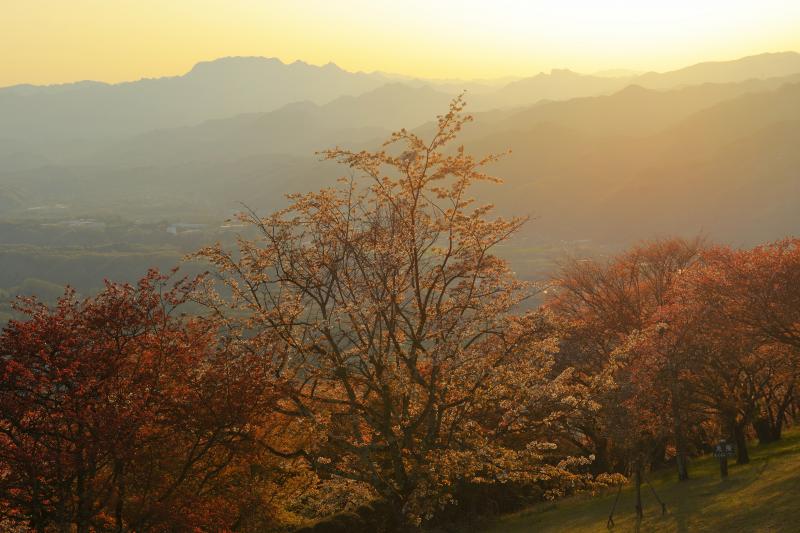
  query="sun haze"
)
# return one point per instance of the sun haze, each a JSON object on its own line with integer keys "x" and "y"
{"x": 393, "y": 266}
{"x": 52, "y": 41}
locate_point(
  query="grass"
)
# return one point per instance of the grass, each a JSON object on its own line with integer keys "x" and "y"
{"x": 758, "y": 497}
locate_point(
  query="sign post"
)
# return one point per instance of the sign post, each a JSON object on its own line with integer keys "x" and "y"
{"x": 722, "y": 451}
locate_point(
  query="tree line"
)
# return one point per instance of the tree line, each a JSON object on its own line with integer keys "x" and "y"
{"x": 366, "y": 357}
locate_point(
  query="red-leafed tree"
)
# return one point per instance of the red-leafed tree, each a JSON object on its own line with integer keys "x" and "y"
{"x": 118, "y": 414}
{"x": 696, "y": 371}
{"x": 758, "y": 288}
{"x": 603, "y": 309}
{"x": 755, "y": 295}
{"x": 776, "y": 384}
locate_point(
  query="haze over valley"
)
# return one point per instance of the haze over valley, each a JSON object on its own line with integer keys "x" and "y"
{"x": 708, "y": 149}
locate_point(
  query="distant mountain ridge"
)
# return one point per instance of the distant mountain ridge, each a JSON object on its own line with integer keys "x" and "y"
{"x": 713, "y": 156}
{"x": 300, "y": 128}
{"x": 767, "y": 65}
{"x": 558, "y": 84}
{"x": 727, "y": 169}
{"x": 634, "y": 110}
{"x": 87, "y": 112}
{"x": 215, "y": 89}
{"x": 563, "y": 84}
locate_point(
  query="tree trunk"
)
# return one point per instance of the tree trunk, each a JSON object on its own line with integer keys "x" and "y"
{"x": 680, "y": 452}
{"x": 119, "y": 474}
{"x": 777, "y": 428}
{"x": 742, "y": 457}
{"x": 683, "y": 468}
{"x": 602, "y": 462}
{"x": 783, "y": 411}
{"x": 81, "y": 511}
{"x": 677, "y": 428}
{"x": 397, "y": 521}
{"x": 638, "y": 481}
{"x": 764, "y": 430}
{"x": 658, "y": 455}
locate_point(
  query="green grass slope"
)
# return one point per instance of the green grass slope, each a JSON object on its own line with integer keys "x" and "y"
{"x": 763, "y": 496}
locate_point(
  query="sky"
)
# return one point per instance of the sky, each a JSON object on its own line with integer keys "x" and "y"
{"x": 55, "y": 41}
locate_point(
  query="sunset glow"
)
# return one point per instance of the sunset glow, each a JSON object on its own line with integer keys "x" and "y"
{"x": 397, "y": 266}
{"x": 51, "y": 41}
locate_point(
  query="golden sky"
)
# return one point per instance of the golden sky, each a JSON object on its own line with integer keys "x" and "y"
{"x": 51, "y": 41}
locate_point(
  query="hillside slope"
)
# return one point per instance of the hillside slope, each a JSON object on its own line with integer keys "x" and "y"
{"x": 728, "y": 171}
{"x": 760, "y": 496}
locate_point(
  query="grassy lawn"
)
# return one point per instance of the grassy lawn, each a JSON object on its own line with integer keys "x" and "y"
{"x": 761, "y": 496}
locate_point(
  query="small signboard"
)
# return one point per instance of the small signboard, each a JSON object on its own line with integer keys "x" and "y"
{"x": 724, "y": 449}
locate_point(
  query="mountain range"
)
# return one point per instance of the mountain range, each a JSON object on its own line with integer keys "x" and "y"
{"x": 710, "y": 148}
{"x": 58, "y": 115}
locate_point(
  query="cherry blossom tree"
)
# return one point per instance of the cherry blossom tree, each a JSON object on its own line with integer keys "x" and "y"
{"x": 391, "y": 324}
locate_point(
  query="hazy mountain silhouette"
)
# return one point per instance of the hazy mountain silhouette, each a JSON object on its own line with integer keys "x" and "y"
{"x": 617, "y": 73}
{"x": 564, "y": 84}
{"x": 744, "y": 191}
{"x": 92, "y": 111}
{"x": 728, "y": 170}
{"x": 768, "y": 65}
{"x": 558, "y": 84}
{"x": 214, "y": 89}
{"x": 298, "y": 129}
{"x": 632, "y": 111}
{"x": 729, "y": 120}
{"x": 714, "y": 157}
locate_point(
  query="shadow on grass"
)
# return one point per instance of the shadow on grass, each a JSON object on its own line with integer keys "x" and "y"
{"x": 759, "y": 496}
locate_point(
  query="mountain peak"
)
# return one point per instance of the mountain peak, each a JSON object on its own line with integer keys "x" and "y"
{"x": 233, "y": 63}
{"x": 633, "y": 89}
